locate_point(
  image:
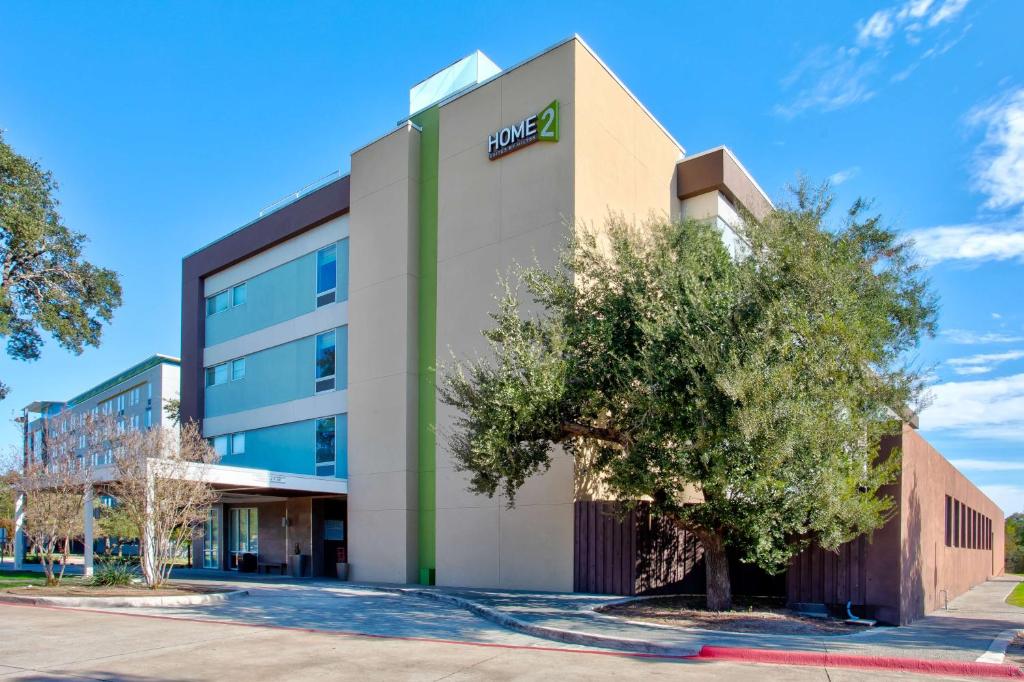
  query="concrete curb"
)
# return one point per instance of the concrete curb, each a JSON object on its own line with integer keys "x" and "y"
{"x": 824, "y": 659}
{"x": 121, "y": 602}
{"x": 977, "y": 669}
{"x": 546, "y": 632}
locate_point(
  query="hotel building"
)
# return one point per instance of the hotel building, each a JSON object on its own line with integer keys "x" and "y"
{"x": 310, "y": 338}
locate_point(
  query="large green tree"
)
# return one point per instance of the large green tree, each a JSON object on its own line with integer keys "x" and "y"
{"x": 45, "y": 283}
{"x": 743, "y": 394}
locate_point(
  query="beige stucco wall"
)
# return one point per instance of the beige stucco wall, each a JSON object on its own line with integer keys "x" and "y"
{"x": 624, "y": 161}
{"x": 492, "y": 214}
{"x": 611, "y": 157}
{"x": 382, "y": 359}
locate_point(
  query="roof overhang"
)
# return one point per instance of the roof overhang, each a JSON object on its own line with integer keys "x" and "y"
{"x": 245, "y": 479}
{"x": 718, "y": 169}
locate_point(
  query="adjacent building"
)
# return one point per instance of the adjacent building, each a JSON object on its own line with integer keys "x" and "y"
{"x": 134, "y": 399}
{"x": 310, "y": 337}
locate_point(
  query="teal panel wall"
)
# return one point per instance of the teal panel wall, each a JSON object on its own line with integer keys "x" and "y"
{"x": 289, "y": 448}
{"x": 274, "y": 375}
{"x": 275, "y": 296}
{"x": 277, "y": 375}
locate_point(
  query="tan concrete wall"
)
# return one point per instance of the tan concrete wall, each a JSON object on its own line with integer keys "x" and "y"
{"x": 611, "y": 156}
{"x": 624, "y": 161}
{"x": 492, "y": 214}
{"x": 928, "y": 566}
{"x": 382, "y": 361}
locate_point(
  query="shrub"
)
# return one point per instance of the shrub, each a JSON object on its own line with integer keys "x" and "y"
{"x": 112, "y": 572}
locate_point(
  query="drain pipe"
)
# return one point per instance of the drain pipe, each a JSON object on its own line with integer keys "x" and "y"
{"x": 945, "y": 600}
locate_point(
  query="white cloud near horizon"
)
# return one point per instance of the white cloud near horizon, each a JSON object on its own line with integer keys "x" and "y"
{"x": 971, "y": 242}
{"x": 831, "y": 78}
{"x": 970, "y": 338}
{"x": 987, "y": 465}
{"x": 999, "y": 162}
{"x": 982, "y": 363}
{"x": 986, "y": 408}
{"x": 1009, "y": 498}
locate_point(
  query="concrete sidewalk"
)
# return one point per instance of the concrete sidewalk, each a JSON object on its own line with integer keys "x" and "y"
{"x": 962, "y": 633}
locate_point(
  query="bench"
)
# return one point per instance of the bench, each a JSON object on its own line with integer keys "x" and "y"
{"x": 266, "y": 566}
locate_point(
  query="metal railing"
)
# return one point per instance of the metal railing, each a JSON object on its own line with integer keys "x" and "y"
{"x": 299, "y": 193}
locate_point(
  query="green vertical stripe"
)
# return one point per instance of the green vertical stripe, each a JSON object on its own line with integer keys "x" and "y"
{"x": 428, "y": 121}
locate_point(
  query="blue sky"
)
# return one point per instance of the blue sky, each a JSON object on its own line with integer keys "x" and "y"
{"x": 168, "y": 125}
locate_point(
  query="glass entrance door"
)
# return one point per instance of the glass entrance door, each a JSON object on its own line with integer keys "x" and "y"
{"x": 211, "y": 541}
{"x": 244, "y": 537}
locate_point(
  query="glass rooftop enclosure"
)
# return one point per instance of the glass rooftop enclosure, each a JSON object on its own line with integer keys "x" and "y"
{"x": 465, "y": 73}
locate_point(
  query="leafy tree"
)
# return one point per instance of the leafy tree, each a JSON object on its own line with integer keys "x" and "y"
{"x": 115, "y": 522}
{"x": 1015, "y": 543}
{"x": 45, "y": 284}
{"x": 172, "y": 408}
{"x": 745, "y": 395}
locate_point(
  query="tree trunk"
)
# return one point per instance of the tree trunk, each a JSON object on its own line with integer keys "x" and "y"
{"x": 716, "y": 564}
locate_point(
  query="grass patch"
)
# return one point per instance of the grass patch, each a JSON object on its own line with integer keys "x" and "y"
{"x": 10, "y": 579}
{"x": 1016, "y": 597}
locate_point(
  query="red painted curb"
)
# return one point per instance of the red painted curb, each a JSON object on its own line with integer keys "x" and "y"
{"x": 836, "y": 660}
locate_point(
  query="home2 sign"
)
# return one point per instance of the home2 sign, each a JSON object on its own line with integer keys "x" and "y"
{"x": 541, "y": 127}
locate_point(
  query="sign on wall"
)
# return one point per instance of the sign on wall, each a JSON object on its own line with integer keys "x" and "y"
{"x": 539, "y": 127}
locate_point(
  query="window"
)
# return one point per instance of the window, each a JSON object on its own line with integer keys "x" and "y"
{"x": 221, "y": 445}
{"x": 217, "y": 374}
{"x": 956, "y": 523}
{"x": 238, "y": 369}
{"x": 135, "y": 422}
{"x": 326, "y": 275}
{"x": 120, "y": 403}
{"x": 229, "y": 298}
{"x": 134, "y": 396}
{"x": 149, "y": 417}
{"x": 325, "y": 447}
{"x": 218, "y": 303}
{"x": 149, "y": 391}
{"x": 949, "y": 521}
{"x": 229, "y": 444}
{"x": 325, "y": 361}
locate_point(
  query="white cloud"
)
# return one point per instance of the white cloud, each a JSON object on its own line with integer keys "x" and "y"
{"x": 838, "y": 78}
{"x": 983, "y": 363}
{"x": 879, "y": 26}
{"x": 987, "y": 465}
{"x": 947, "y": 11}
{"x": 915, "y": 9}
{"x": 831, "y": 78}
{"x": 999, "y": 163}
{"x": 988, "y": 408}
{"x": 996, "y": 316}
{"x": 971, "y": 242}
{"x": 839, "y": 177}
{"x": 1010, "y": 498}
{"x": 969, "y": 338}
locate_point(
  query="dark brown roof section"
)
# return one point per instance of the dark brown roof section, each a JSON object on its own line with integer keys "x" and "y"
{"x": 719, "y": 170}
{"x": 307, "y": 212}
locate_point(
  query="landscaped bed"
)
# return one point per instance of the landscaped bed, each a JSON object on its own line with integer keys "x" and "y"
{"x": 33, "y": 584}
{"x": 750, "y": 614}
{"x": 78, "y": 588}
